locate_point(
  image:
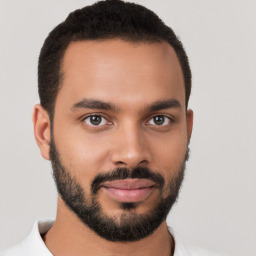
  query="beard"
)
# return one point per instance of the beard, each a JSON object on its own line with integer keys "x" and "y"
{"x": 129, "y": 226}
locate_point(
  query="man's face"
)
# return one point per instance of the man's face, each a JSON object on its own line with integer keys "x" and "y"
{"x": 120, "y": 135}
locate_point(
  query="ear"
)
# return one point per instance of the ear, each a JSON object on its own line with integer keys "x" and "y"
{"x": 190, "y": 118}
{"x": 42, "y": 130}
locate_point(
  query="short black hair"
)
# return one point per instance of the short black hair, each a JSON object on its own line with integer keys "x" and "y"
{"x": 102, "y": 21}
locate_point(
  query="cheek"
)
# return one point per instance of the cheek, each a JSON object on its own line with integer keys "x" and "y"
{"x": 82, "y": 155}
{"x": 170, "y": 162}
{"x": 169, "y": 153}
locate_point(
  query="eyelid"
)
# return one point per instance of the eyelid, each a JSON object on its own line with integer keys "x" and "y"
{"x": 103, "y": 115}
{"x": 83, "y": 118}
{"x": 170, "y": 118}
{"x": 93, "y": 114}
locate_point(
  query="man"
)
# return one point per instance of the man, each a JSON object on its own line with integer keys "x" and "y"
{"x": 114, "y": 85}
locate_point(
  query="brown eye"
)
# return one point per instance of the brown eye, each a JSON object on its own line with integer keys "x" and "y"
{"x": 95, "y": 120}
{"x": 160, "y": 120}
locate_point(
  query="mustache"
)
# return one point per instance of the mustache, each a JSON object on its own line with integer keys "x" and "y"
{"x": 125, "y": 173}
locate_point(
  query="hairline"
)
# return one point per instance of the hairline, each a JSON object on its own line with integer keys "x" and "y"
{"x": 121, "y": 38}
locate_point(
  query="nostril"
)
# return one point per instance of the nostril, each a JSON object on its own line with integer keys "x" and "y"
{"x": 120, "y": 163}
{"x": 144, "y": 162}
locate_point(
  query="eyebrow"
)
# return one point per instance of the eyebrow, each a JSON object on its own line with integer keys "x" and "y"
{"x": 97, "y": 104}
{"x": 93, "y": 104}
{"x": 164, "y": 104}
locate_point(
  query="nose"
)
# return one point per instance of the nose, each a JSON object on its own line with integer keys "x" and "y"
{"x": 130, "y": 148}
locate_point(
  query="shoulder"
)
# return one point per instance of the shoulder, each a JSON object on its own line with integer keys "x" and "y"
{"x": 33, "y": 244}
{"x": 13, "y": 251}
{"x": 19, "y": 249}
{"x": 185, "y": 248}
{"x": 193, "y": 250}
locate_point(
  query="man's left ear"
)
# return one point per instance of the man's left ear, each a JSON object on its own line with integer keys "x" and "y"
{"x": 190, "y": 118}
{"x": 42, "y": 130}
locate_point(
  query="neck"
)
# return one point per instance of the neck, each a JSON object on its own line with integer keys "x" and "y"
{"x": 69, "y": 236}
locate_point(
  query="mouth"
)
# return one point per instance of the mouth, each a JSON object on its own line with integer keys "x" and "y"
{"x": 129, "y": 190}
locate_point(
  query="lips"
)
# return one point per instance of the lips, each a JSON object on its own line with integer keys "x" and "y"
{"x": 129, "y": 190}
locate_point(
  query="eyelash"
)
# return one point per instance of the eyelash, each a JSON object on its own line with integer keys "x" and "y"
{"x": 95, "y": 115}
{"x": 166, "y": 118}
{"x": 106, "y": 122}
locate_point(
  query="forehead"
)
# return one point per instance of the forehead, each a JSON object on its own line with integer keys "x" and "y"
{"x": 121, "y": 72}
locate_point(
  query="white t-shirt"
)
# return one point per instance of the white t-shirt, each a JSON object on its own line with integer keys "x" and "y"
{"x": 33, "y": 244}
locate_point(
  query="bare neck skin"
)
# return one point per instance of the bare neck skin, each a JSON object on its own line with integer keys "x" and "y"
{"x": 69, "y": 236}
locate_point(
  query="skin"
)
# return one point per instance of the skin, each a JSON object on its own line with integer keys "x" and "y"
{"x": 130, "y": 76}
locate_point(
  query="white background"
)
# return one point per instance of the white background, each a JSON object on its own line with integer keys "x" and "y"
{"x": 217, "y": 206}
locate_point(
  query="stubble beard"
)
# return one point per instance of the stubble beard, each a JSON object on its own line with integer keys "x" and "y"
{"x": 129, "y": 226}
